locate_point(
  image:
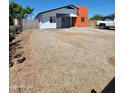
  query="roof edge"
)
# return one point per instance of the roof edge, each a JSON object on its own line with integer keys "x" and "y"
{"x": 55, "y": 9}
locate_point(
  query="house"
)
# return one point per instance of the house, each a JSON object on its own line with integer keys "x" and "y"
{"x": 109, "y": 17}
{"x": 63, "y": 17}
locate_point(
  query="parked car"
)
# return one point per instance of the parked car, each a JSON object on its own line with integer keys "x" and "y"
{"x": 106, "y": 23}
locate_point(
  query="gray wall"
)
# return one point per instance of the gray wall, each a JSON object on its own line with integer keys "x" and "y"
{"x": 30, "y": 24}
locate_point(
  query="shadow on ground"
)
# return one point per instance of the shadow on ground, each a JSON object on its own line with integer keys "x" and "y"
{"x": 14, "y": 56}
{"x": 109, "y": 29}
{"x": 109, "y": 88}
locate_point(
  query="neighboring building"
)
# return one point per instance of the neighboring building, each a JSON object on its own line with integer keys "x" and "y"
{"x": 63, "y": 17}
{"x": 92, "y": 22}
{"x": 109, "y": 17}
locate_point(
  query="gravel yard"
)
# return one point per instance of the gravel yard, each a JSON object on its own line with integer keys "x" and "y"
{"x": 74, "y": 60}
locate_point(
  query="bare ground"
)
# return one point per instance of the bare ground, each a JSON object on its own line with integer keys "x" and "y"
{"x": 63, "y": 61}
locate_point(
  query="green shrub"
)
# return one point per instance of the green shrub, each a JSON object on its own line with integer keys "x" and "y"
{"x": 13, "y": 30}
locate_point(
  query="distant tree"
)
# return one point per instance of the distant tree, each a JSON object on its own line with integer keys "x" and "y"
{"x": 96, "y": 17}
{"x": 16, "y": 11}
{"x": 28, "y": 11}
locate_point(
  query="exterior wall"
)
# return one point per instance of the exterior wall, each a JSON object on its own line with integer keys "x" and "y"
{"x": 45, "y": 21}
{"x": 91, "y": 23}
{"x": 16, "y": 22}
{"x": 44, "y": 18}
{"x": 82, "y": 12}
{"x": 30, "y": 24}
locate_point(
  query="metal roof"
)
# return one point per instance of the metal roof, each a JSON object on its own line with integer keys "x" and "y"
{"x": 111, "y": 16}
{"x": 68, "y": 6}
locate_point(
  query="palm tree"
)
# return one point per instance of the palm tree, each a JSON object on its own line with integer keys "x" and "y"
{"x": 28, "y": 12}
{"x": 16, "y": 11}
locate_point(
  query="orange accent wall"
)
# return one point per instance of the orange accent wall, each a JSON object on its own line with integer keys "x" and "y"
{"x": 82, "y": 12}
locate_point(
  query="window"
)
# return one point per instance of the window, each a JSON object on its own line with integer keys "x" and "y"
{"x": 82, "y": 19}
{"x": 52, "y": 19}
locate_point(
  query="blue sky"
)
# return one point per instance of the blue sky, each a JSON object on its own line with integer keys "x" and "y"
{"x": 102, "y": 7}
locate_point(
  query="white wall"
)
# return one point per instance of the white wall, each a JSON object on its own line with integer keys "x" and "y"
{"x": 45, "y": 17}
{"x": 45, "y": 21}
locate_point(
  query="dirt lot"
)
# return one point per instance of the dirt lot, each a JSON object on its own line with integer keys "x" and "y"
{"x": 74, "y": 60}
